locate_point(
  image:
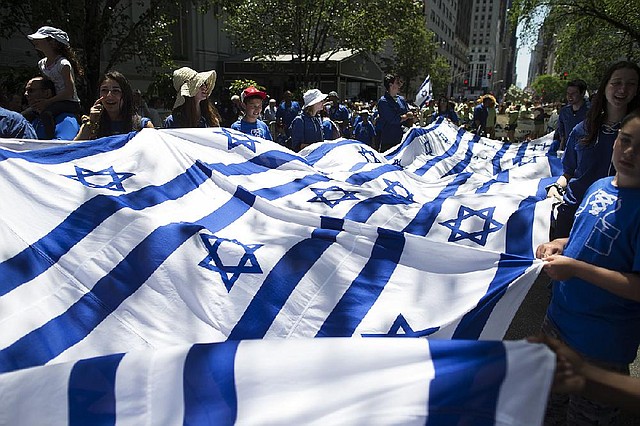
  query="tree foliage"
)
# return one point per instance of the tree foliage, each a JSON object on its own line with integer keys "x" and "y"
{"x": 549, "y": 88}
{"x": 516, "y": 95}
{"x": 125, "y": 29}
{"x": 305, "y": 29}
{"x": 589, "y": 34}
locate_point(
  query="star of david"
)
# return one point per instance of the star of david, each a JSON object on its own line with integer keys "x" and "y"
{"x": 232, "y": 251}
{"x": 235, "y": 139}
{"x": 600, "y": 202}
{"x": 472, "y": 217}
{"x": 105, "y": 178}
{"x": 401, "y": 328}
{"x": 392, "y": 188}
{"x": 368, "y": 155}
{"x": 424, "y": 92}
{"x": 333, "y": 192}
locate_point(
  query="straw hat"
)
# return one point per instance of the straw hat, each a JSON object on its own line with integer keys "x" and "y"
{"x": 54, "y": 33}
{"x": 312, "y": 97}
{"x": 187, "y": 82}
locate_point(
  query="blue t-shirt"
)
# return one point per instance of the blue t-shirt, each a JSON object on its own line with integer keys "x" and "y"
{"x": 259, "y": 129}
{"x": 568, "y": 119}
{"x": 480, "y": 114}
{"x": 288, "y": 113}
{"x": 329, "y": 129}
{"x": 305, "y": 130}
{"x": 14, "y": 125}
{"x": 364, "y": 132}
{"x": 388, "y": 123}
{"x": 67, "y": 127}
{"x": 606, "y": 233}
{"x": 586, "y": 164}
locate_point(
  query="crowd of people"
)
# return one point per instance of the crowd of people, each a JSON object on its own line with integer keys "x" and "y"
{"x": 593, "y": 318}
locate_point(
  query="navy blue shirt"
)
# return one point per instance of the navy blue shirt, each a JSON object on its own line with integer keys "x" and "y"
{"x": 305, "y": 130}
{"x": 388, "y": 124}
{"x": 14, "y": 125}
{"x": 586, "y": 164}
{"x": 568, "y": 119}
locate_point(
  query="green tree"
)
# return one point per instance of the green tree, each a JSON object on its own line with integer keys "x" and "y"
{"x": 131, "y": 29}
{"x": 549, "y": 88}
{"x": 306, "y": 29}
{"x": 589, "y": 35}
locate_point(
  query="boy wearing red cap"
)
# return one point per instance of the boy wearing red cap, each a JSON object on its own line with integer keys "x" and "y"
{"x": 251, "y": 124}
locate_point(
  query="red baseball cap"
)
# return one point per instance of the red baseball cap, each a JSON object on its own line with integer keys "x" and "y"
{"x": 252, "y": 91}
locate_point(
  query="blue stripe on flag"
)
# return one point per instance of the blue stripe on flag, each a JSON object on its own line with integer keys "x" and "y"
{"x": 448, "y": 153}
{"x": 423, "y": 221}
{"x": 464, "y": 163}
{"x": 68, "y": 153}
{"x": 44, "y": 253}
{"x": 110, "y": 291}
{"x": 91, "y": 392}
{"x": 289, "y": 188}
{"x": 520, "y": 229}
{"x": 365, "y": 289}
{"x": 318, "y": 153}
{"x": 497, "y": 168}
{"x": 467, "y": 382}
{"x": 363, "y": 210}
{"x": 509, "y": 268}
{"x": 209, "y": 385}
{"x": 280, "y": 283}
{"x": 368, "y": 176}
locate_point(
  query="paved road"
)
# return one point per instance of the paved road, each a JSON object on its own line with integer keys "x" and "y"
{"x": 529, "y": 317}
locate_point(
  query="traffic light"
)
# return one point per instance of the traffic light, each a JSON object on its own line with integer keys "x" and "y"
{"x": 565, "y": 75}
{"x": 465, "y": 82}
{"x": 489, "y": 74}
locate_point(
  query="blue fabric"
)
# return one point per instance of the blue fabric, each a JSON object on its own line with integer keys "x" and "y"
{"x": 388, "y": 125}
{"x": 586, "y": 164}
{"x": 258, "y": 129}
{"x": 341, "y": 113}
{"x": 595, "y": 322}
{"x": 328, "y": 128}
{"x": 305, "y": 130}
{"x": 288, "y": 113}
{"x": 364, "y": 132}
{"x": 14, "y": 125}
{"x": 67, "y": 127}
{"x": 567, "y": 119}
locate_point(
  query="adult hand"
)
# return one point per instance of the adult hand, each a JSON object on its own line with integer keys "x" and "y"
{"x": 95, "y": 111}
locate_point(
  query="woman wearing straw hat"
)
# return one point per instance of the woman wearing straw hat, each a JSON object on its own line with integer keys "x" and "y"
{"x": 192, "y": 107}
{"x": 113, "y": 113}
{"x": 306, "y": 128}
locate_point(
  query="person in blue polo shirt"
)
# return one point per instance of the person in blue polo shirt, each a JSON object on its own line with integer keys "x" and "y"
{"x": 306, "y": 128}
{"x": 573, "y": 113}
{"x": 250, "y": 123}
{"x": 66, "y": 123}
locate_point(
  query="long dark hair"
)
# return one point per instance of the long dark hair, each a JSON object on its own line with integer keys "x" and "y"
{"x": 127, "y": 111}
{"x": 186, "y": 115}
{"x": 598, "y": 111}
{"x": 67, "y": 52}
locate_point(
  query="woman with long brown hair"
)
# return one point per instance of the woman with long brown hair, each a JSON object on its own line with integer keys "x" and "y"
{"x": 193, "y": 107}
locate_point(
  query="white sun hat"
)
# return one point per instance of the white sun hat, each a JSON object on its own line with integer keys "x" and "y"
{"x": 312, "y": 97}
{"x": 54, "y": 33}
{"x": 187, "y": 82}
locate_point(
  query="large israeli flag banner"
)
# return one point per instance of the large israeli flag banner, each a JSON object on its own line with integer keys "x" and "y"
{"x": 122, "y": 257}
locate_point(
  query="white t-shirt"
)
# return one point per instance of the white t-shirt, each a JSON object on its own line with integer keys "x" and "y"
{"x": 54, "y": 73}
